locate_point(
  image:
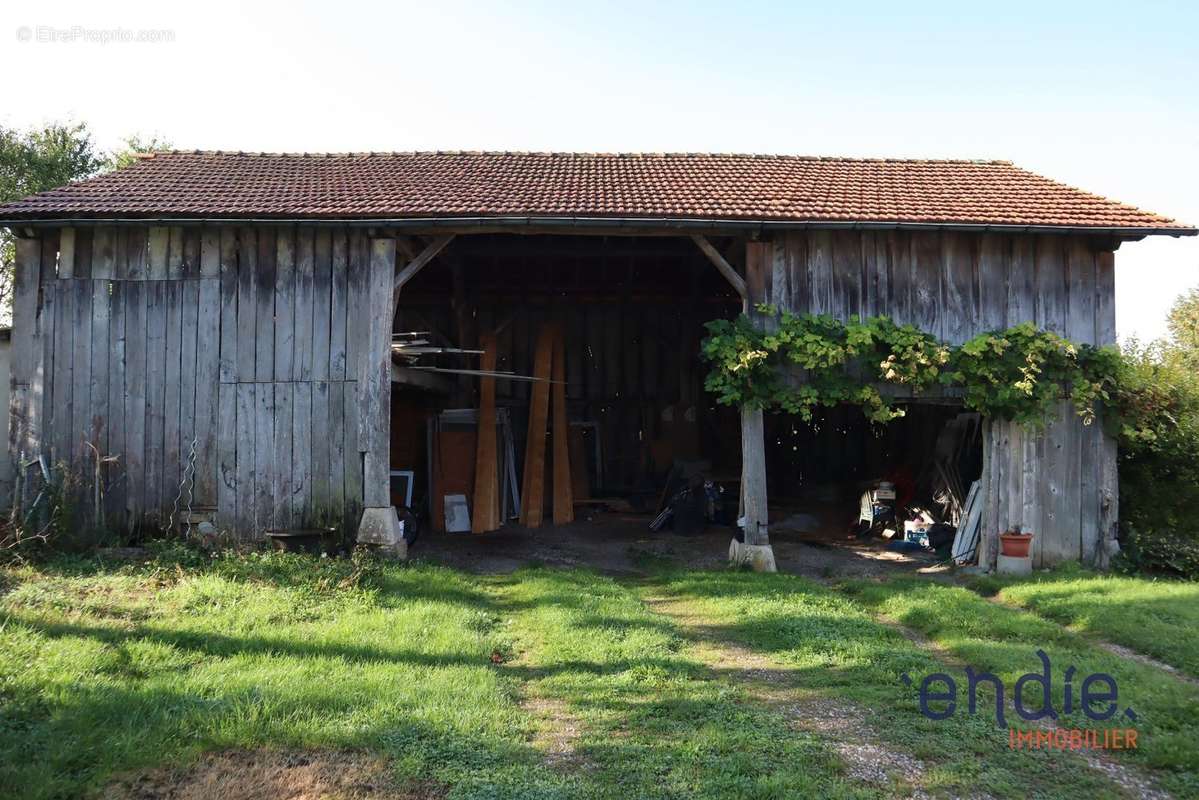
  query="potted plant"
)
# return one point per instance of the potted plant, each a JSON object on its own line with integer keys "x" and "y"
{"x": 1015, "y": 543}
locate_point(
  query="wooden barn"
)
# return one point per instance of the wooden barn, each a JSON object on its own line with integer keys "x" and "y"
{"x": 215, "y": 330}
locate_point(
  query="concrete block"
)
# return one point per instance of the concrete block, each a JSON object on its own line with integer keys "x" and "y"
{"x": 381, "y": 527}
{"x": 758, "y": 556}
{"x": 1011, "y": 565}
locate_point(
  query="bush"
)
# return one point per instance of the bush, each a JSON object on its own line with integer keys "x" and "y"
{"x": 1157, "y": 421}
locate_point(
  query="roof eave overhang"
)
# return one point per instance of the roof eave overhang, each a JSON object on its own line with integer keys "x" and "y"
{"x": 631, "y": 225}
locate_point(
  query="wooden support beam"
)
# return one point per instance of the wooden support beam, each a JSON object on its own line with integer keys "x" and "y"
{"x": 417, "y": 264}
{"x": 725, "y": 268}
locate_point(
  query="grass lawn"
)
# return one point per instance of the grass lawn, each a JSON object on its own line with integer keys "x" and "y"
{"x": 1145, "y": 615}
{"x": 541, "y": 684}
{"x": 1004, "y": 641}
{"x": 841, "y": 652}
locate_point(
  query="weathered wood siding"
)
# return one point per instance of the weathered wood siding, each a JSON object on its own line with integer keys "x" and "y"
{"x": 1060, "y": 483}
{"x": 238, "y": 347}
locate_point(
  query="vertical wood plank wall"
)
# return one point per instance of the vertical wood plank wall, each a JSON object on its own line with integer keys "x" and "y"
{"x": 1059, "y": 483}
{"x": 237, "y": 344}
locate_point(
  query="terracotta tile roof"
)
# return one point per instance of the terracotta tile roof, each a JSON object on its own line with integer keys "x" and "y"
{"x": 650, "y": 186}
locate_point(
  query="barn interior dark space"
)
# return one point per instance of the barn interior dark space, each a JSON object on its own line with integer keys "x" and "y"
{"x": 817, "y": 471}
{"x": 631, "y": 311}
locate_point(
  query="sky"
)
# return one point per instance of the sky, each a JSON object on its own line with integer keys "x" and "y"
{"x": 1103, "y": 96}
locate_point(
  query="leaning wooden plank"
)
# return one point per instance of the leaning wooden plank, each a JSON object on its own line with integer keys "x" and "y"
{"x": 264, "y": 455}
{"x": 563, "y": 491}
{"x": 304, "y": 261}
{"x": 226, "y": 486}
{"x": 322, "y": 298}
{"x": 264, "y": 288}
{"x": 300, "y": 500}
{"x": 207, "y": 420}
{"x": 135, "y": 399}
{"x": 375, "y": 383}
{"x": 81, "y": 417}
{"x": 533, "y": 483}
{"x": 247, "y": 304}
{"x": 285, "y": 304}
{"x": 282, "y": 462}
{"x": 485, "y": 512}
{"x": 172, "y": 452}
{"x": 247, "y": 448}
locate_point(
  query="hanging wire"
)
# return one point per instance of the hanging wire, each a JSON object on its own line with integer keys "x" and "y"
{"x": 186, "y": 486}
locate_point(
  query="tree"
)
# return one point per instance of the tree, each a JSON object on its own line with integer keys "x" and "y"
{"x": 1183, "y": 324}
{"x": 40, "y": 159}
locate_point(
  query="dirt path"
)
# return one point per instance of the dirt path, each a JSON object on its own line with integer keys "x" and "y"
{"x": 842, "y": 725}
{"x": 1111, "y": 647}
{"x": 1126, "y": 777}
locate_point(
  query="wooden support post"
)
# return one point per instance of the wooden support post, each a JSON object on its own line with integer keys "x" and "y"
{"x": 379, "y": 524}
{"x": 755, "y": 550}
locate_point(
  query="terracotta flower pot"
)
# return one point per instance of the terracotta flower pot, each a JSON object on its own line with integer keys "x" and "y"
{"x": 1015, "y": 545}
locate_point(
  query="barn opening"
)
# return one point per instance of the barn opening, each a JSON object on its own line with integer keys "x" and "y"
{"x": 841, "y": 478}
{"x": 631, "y": 313}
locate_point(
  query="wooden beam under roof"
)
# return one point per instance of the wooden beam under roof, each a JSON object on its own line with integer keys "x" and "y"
{"x": 726, "y": 269}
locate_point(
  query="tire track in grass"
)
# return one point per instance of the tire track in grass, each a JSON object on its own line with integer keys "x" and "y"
{"x": 843, "y": 725}
{"x": 1126, "y": 777}
{"x": 960, "y": 627}
{"x": 837, "y": 652}
{"x": 629, "y": 711}
{"x": 1120, "y": 650}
